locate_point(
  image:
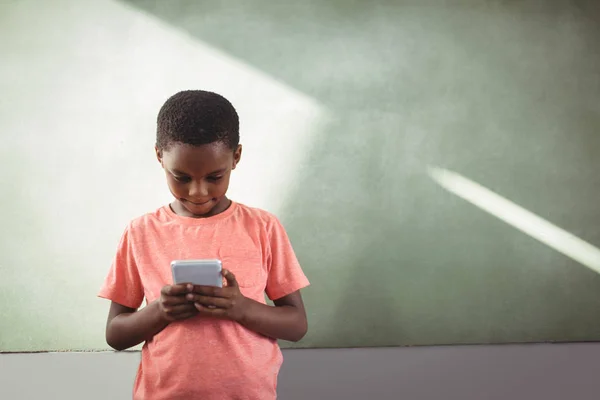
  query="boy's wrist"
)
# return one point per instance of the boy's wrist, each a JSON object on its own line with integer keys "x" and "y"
{"x": 158, "y": 315}
{"x": 249, "y": 310}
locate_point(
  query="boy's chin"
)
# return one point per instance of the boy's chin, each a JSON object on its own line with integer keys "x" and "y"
{"x": 207, "y": 209}
{"x": 196, "y": 209}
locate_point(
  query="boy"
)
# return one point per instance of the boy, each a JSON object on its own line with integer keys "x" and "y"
{"x": 204, "y": 342}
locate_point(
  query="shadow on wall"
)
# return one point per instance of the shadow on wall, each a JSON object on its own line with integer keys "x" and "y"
{"x": 503, "y": 93}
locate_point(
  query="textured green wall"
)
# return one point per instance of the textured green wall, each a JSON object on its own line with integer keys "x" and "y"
{"x": 363, "y": 97}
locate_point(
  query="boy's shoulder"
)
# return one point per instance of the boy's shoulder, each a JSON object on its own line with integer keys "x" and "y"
{"x": 255, "y": 213}
{"x": 142, "y": 221}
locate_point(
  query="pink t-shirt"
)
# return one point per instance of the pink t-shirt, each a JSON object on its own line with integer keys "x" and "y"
{"x": 202, "y": 357}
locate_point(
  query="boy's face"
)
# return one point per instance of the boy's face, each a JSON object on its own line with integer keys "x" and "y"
{"x": 198, "y": 176}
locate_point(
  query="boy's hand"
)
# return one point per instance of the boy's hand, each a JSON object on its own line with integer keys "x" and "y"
{"x": 173, "y": 305}
{"x": 227, "y": 302}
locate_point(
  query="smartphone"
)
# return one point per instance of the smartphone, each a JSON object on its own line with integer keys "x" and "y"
{"x": 197, "y": 272}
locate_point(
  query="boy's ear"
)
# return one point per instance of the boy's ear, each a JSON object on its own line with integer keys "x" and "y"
{"x": 158, "y": 154}
{"x": 237, "y": 156}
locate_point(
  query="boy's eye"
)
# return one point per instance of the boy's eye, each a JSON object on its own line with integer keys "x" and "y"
{"x": 182, "y": 179}
{"x": 215, "y": 178}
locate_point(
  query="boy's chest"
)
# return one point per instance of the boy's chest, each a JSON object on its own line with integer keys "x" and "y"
{"x": 240, "y": 252}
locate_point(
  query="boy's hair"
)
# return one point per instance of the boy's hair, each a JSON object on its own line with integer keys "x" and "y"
{"x": 197, "y": 117}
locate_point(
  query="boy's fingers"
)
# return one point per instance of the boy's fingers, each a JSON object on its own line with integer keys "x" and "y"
{"x": 230, "y": 277}
{"x": 212, "y": 291}
{"x": 210, "y": 301}
{"x": 171, "y": 301}
{"x": 177, "y": 309}
{"x": 176, "y": 290}
{"x": 215, "y": 312}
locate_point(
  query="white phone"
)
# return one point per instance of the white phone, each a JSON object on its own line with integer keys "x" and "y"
{"x": 197, "y": 272}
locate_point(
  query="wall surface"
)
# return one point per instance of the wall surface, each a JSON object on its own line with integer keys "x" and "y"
{"x": 365, "y": 99}
{"x": 522, "y": 372}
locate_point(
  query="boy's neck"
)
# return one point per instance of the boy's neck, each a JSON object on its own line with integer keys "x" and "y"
{"x": 178, "y": 208}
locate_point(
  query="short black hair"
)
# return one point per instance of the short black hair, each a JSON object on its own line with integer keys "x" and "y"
{"x": 197, "y": 117}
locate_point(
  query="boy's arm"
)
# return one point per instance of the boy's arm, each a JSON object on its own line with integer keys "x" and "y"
{"x": 127, "y": 327}
{"x": 287, "y": 320}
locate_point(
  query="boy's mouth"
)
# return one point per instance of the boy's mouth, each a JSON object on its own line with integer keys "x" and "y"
{"x": 197, "y": 204}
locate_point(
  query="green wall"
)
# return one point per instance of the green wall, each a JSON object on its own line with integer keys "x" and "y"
{"x": 363, "y": 97}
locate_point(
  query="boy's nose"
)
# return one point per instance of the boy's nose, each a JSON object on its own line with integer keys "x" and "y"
{"x": 198, "y": 190}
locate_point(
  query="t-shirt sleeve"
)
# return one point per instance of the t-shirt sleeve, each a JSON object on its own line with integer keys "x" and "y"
{"x": 285, "y": 274}
{"x": 123, "y": 284}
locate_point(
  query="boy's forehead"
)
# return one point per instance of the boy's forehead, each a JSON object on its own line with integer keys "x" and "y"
{"x": 203, "y": 158}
